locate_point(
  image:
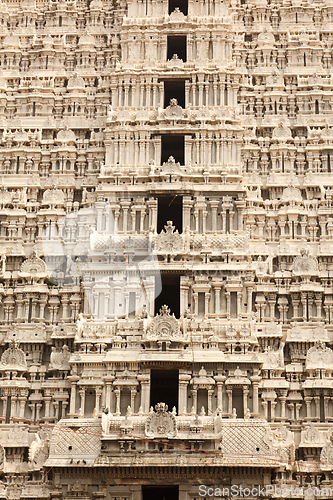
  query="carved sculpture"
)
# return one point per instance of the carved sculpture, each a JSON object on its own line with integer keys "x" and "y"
{"x": 161, "y": 423}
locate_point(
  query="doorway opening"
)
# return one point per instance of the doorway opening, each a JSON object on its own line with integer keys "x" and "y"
{"x": 164, "y": 388}
{"x": 169, "y": 208}
{"x": 160, "y": 492}
{"x": 174, "y": 89}
{"x": 170, "y": 294}
{"x": 173, "y": 145}
{"x": 176, "y": 45}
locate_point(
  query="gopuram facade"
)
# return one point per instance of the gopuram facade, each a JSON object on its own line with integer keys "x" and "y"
{"x": 166, "y": 242}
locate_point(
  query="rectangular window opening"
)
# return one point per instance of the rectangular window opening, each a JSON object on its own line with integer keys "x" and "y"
{"x": 170, "y": 294}
{"x": 174, "y": 89}
{"x": 170, "y": 208}
{"x": 164, "y": 388}
{"x": 322, "y": 408}
{"x": 181, "y": 4}
{"x": 173, "y": 145}
{"x": 176, "y": 45}
{"x": 132, "y": 305}
{"x": 237, "y": 402}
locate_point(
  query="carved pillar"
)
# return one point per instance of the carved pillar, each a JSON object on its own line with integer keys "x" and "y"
{"x": 82, "y": 393}
{"x": 194, "y": 393}
{"x": 133, "y": 394}
{"x": 183, "y": 384}
{"x": 210, "y": 401}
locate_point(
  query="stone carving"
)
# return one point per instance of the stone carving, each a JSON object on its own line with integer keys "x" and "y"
{"x": 5, "y": 196}
{"x": 319, "y": 356}
{"x": 326, "y": 455}
{"x": 34, "y": 268}
{"x": 164, "y": 327}
{"x": 292, "y": 194}
{"x": 310, "y": 434}
{"x": 66, "y": 136}
{"x": 161, "y": 424}
{"x": 173, "y": 111}
{"x": 284, "y": 445}
{"x": 169, "y": 240}
{"x": 59, "y": 358}
{"x": 53, "y": 197}
{"x": 176, "y": 16}
{"x": 13, "y": 358}
{"x": 39, "y": 451}
{"x": 281, "y": 132}
{"x": 305, "y": 265}
{"x": 106, "y": 415}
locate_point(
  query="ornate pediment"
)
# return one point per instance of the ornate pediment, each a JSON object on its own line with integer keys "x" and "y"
{"x": 33, "y": 268}
{"x": 282, "y": 132}
{"x": 305, "y": 265}
{"x": 292, "y": 194}
{"x": 53, "y": 197}
{"x": 173, "y": 111}
{"x": 169, "y": 241}
{"x": 13, "y": 358}
{"x": 164, "y": 327}
{"x": 319, "y": 356}
{"x": 162, "y": 423}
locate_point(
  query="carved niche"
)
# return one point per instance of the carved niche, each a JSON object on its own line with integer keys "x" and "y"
{"x": 169, "y": 241}
{"x": 161, "y": 423}
{"x": 164, "y": 327}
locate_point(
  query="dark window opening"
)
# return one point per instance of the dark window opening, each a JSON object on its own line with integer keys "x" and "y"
{"x": 322, "y": 409}
{"x": 304, "y": 57}
{"x": 132, "y": 305}
{"x": 8, "y": 408}
{"x": 60, "y": 410}
{"x": 181, "y": 4}
{"x": 317, "y": 107}
{"x": 60, "y": 21}
{"x": 173, "y": 145}
{"x": 170, "y": 294}
{"x": 30, "y": 311}
{"x": 33, "y": 109}
{"x": 174, "y": 89}
{"x": 164, "y": 388}
{"x": 269, "y": 411}
{"x": 237, "y": 402}
{"x": 177, "y": 45}
{"x": 328, "y": 163}
{"x": 169, "y": 208}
